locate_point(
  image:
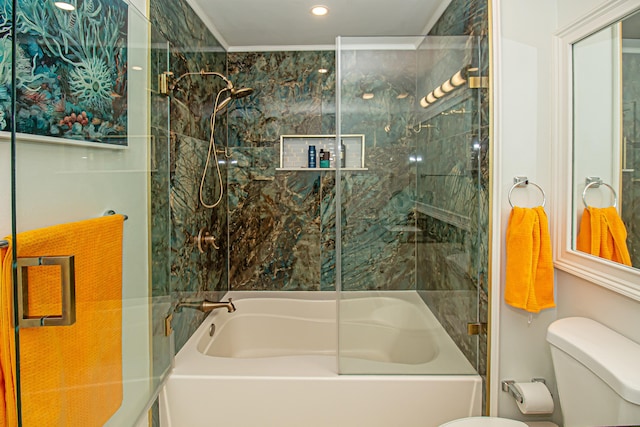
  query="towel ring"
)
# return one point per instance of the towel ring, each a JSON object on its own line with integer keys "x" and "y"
{"x": 599, "y": 183}
{"x": 526, "y": 182}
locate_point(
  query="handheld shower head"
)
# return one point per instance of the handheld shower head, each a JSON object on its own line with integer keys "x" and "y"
{"x": 241, "y": 92}
{"x": 222, "y": 105}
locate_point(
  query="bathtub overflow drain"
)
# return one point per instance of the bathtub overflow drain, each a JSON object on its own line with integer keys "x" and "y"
{"x": 212, "y": 329}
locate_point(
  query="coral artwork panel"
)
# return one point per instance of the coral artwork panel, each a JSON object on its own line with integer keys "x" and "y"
{"x": 71, "y": 70}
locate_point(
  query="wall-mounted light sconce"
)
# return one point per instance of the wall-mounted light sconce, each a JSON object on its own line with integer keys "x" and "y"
{"x": 458, "y": 79}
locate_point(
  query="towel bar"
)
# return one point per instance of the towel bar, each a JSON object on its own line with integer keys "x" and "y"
{"x": 521, "y": 181}
{"x": 112, "y": 212}
{"x": 5, "y": 243}
{"x": 595, "y": 182}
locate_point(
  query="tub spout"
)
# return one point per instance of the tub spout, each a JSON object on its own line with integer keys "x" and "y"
{"x": 206, "y": 306}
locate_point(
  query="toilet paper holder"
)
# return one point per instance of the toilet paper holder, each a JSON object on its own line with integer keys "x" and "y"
{"x": 507, "y": 385}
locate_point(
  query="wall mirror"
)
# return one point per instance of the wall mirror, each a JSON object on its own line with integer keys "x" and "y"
{"x": 597, "y": 185}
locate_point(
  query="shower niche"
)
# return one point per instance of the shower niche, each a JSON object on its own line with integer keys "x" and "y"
{"x": 294, "y": 152}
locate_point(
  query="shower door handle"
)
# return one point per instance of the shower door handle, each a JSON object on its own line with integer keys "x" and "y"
{"x": 68, "y": 291}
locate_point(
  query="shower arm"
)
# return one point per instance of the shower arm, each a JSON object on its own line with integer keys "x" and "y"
{"x": 165, "y": 86}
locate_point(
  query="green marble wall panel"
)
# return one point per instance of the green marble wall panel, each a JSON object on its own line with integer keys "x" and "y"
{"x": 282, "y": 224}
{"x": 193, "y": 275}
{"x": 291, "y": 97}
{"x": 277, "y": 237}
{"x": 378, "y": 216}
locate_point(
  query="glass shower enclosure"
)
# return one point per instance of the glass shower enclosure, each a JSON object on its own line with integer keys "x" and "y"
{"x": 79, "y": 343}
{"x": 412, "y": 216}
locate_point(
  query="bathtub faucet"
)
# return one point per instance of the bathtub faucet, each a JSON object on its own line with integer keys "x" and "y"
{"x": 206, "y": 306}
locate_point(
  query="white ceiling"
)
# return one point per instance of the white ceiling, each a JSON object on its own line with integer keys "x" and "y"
{"x": 253, "y": 25}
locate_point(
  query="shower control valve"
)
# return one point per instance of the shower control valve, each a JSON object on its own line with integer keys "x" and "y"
{"x": 203, "y": 239}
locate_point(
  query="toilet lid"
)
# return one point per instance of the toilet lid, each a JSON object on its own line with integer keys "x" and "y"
{"x": 484, "y": 422}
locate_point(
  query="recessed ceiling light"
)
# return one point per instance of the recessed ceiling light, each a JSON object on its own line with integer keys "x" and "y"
{"x": 136, "y": 68}
{"x": 319, "y": 10}
{"x": 64, "y": 5}
{"x": 367, "y": 95}
{"x": 402, "y": 95}
{"x": 323, "y": 70}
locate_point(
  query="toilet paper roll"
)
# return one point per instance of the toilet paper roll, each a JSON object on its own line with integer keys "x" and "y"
{"x": 536, "y": 398}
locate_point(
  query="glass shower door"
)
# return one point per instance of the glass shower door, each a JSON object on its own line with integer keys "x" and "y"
{"x": 411, "y": 224}
{"x": 77, "y": 129}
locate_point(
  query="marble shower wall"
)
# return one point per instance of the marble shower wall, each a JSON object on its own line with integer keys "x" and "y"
{"x": 453, "y": 178}
{"x": 378, "y": 217}
{"x": 182, "y": 43}
{"x": 280, "y": 234}
{"x": 282, "y": 223}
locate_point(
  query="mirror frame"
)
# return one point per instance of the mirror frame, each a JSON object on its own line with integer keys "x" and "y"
{"x": 616, "y": 277}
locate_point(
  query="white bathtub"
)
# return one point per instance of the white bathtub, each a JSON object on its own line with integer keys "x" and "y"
{"x": 273, "y": 363}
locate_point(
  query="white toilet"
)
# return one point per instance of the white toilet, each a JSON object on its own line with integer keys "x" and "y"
{"x": 484, "y": 422}
{"x": 597, "y": 372}
{"x": 598, "y": 376}
{"x": 495, "y": 422}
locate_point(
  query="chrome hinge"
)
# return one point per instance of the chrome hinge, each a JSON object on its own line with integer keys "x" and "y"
{"x": 476, "y": 328}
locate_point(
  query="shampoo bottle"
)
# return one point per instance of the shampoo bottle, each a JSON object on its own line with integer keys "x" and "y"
{"x": 324, "y": 159}
{"x": 312, "y": 156}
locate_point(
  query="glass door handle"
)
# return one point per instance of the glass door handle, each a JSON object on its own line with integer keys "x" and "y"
{"x": 68, "y": 289}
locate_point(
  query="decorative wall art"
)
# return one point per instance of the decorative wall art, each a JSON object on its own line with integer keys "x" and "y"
{"x": 71, "y": 71}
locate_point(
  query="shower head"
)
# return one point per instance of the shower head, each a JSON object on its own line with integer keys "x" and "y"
{"x": 167, "y": 84}
{"x": 233, "y": 94}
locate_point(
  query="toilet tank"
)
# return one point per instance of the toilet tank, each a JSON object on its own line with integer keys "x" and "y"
{"x": 597, "y": 372}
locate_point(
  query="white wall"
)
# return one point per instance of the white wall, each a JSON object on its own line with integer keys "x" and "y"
{"x": 523, "y": 102}
{"x": 61, "y": 183}
{"x": 522, "y": 130}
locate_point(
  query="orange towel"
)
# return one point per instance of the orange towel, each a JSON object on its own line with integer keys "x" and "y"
{"x": 529, "y": 275}
{"x": 603, "y": 234}
{"x": 69, "y": 375}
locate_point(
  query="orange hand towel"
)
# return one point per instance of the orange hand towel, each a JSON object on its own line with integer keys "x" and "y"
{"x": 603, "y": 234}
{"x": 69, "y": 375}
{"x": 529, "y": 275}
